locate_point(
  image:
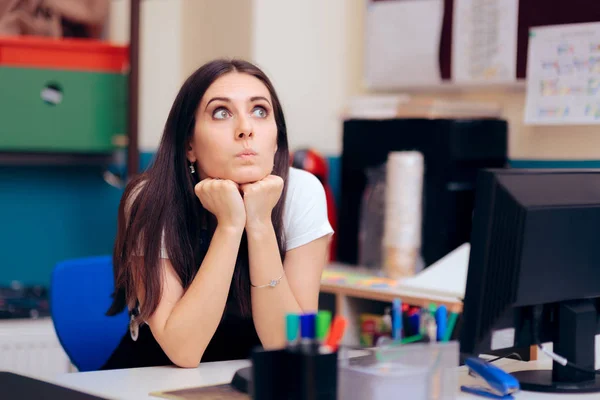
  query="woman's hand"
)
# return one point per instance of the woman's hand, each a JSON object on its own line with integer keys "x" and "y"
{"x": 223, "y": 199}
{"x": 259, "y": 199}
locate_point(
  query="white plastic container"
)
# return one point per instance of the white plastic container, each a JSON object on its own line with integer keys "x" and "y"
{"x": 420, "y": 371}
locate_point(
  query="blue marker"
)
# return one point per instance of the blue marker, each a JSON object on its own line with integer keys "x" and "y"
{"x": 307, "y": 330}
{"x": 397, "y": 319}
{"x": 415, "y": 322}
{"x": 441, "y": 318}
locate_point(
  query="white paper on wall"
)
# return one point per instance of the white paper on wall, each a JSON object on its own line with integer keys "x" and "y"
{"x": 484, "y": 41}
{"x": 402, "y": 43}
{"x": 563, "y": 75}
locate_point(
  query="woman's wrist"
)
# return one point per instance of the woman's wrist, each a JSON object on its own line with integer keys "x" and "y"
{"x": 230, "y": 229}
{"x": 259, "y": 228}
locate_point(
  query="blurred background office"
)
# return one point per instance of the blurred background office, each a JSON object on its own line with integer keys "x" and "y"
{"x": 460, "y": 84}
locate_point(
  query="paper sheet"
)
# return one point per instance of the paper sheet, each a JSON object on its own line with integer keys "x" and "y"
{"x": 563, "y": 75}
{"x": 447, "y": 276}
{"x": 484, "y": 41}
{"x": 402, "y": 43}
{"x": 216, "y": 392}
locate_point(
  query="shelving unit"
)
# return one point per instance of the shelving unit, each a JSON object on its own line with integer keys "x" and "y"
{"x": 353, "y": 299}
{"x": 49, "y": 158}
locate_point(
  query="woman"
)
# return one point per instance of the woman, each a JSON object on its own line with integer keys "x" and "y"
{"x": 219, "y": 239}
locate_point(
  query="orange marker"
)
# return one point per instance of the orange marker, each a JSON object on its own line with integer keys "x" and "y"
{"x": 336, "y": 333}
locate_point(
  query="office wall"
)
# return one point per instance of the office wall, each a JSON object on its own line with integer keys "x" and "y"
{"x": 214, "y": 29}
{"x": 313, "y": 51}
{"x": 49, "y": 214}
{"x": 552, "y": 143}
{"x": 302, "y": 45}
{"x": 161, "y": 60}
{"x": 526, "y": 143}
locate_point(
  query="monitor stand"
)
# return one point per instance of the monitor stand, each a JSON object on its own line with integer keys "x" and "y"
{"x": 576, "y": 341}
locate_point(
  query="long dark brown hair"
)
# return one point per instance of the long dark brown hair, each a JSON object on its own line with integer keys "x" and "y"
{"x": 162, "y": 200}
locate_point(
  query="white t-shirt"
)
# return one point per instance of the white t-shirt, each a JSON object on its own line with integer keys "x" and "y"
{"x": 305, "y": 211}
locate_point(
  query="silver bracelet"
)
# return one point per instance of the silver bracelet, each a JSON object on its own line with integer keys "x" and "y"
{"x": 273, "y": 283}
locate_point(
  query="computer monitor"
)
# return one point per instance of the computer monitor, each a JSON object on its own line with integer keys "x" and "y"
{"x": 534, "y": 272}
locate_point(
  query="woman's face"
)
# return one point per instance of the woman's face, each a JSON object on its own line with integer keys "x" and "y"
{"x": 235, "y": 136}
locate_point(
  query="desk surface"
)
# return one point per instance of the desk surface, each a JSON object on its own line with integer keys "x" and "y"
{"x": 137, "y": 383}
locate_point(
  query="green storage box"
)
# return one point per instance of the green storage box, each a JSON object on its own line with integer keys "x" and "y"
{"x": 52, "y": 110}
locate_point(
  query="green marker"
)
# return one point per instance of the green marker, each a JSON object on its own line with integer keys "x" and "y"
{"x": 323, "y": 323}
{"x": 450, "y": 328}
{"x": 432, "y": 309}
{"x": 292, "y": 327}
{"x": 412, "y": 339}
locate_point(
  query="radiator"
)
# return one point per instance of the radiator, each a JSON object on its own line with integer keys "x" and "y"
{"x": 30, "y": 347}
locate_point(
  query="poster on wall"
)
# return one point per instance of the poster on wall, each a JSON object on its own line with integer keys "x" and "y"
{"x": 484, "y": 41}
{"x": 402, "y": 41}
{"x": 563, "y": 75}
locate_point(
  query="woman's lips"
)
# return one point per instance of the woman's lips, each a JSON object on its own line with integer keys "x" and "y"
{"x": 246, "y": 154}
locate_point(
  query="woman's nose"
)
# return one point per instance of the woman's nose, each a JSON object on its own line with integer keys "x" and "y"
{"x": 244, "y": 128}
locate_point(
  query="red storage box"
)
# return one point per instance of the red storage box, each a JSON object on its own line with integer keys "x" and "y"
{"x": 64, "y": 54}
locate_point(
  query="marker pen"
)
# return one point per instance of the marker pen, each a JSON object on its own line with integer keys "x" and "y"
{"x": 307, "y": 331}
{"x": 292, "y": 328}
{"x": 397, "y": 319}
{"x": 323, "y": 324}
{"x": 415, "y": 322}
{"x": 450, "y": 327}
{"x": 441, "y": 318}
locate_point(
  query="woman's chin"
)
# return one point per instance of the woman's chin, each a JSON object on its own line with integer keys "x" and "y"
{"x": 245, "y": 175}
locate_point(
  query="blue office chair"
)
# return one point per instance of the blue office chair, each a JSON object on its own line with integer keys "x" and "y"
{"x": 80, "y": 295}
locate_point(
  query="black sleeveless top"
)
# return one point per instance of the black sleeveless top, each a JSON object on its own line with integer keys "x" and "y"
{"x": 234, "y": 339}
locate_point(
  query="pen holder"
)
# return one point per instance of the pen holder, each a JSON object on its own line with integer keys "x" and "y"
{"x": 269, "y": 374}
{"x": 312, "y": 375}
{"x": 294, "y": 374}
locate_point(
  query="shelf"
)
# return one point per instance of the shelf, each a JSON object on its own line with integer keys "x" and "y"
{"x": 54, "y": 159}
{"x": 519, "y": 85}
{"x": 411, "y": 297}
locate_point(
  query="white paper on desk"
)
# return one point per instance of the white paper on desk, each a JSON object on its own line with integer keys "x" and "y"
{"x": 563, "y": 75}
{"x": 447, "y": 276}
{"x": 484, "y": 41}
{"x": 402, "y": 43}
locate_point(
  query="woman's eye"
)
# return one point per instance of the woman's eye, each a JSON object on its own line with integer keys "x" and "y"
{"x": 220, "y": 113}
{"x": 259, "y": 112}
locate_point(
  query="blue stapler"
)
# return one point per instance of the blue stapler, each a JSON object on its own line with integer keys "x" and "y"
{"x": 501, "y": 385}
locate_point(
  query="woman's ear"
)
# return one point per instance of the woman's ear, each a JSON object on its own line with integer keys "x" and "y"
{"x": 191, "y": 156}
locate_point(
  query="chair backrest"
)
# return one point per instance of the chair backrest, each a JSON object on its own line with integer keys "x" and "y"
{"x": 80, "y": 295}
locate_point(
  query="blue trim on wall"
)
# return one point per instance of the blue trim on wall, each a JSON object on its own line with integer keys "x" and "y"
{"x": 49, "y": 214}
{"x": 146, "y": 159}
{"x": 552, "y": 164}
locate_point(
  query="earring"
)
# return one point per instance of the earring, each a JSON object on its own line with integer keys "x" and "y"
{"x": 192, "y": 169}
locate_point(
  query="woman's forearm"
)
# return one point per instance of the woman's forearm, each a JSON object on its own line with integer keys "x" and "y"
{"x": 196, "y": 316}
{"x": 270, "y": 304}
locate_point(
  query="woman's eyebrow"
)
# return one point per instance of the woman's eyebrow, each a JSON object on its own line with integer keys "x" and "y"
{"x": 225, "y": 99}
{"x": 256, "y": 98}
{"x": 228, "y": 100}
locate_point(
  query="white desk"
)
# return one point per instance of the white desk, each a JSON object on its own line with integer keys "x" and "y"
{"x": 137, "y": 383}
